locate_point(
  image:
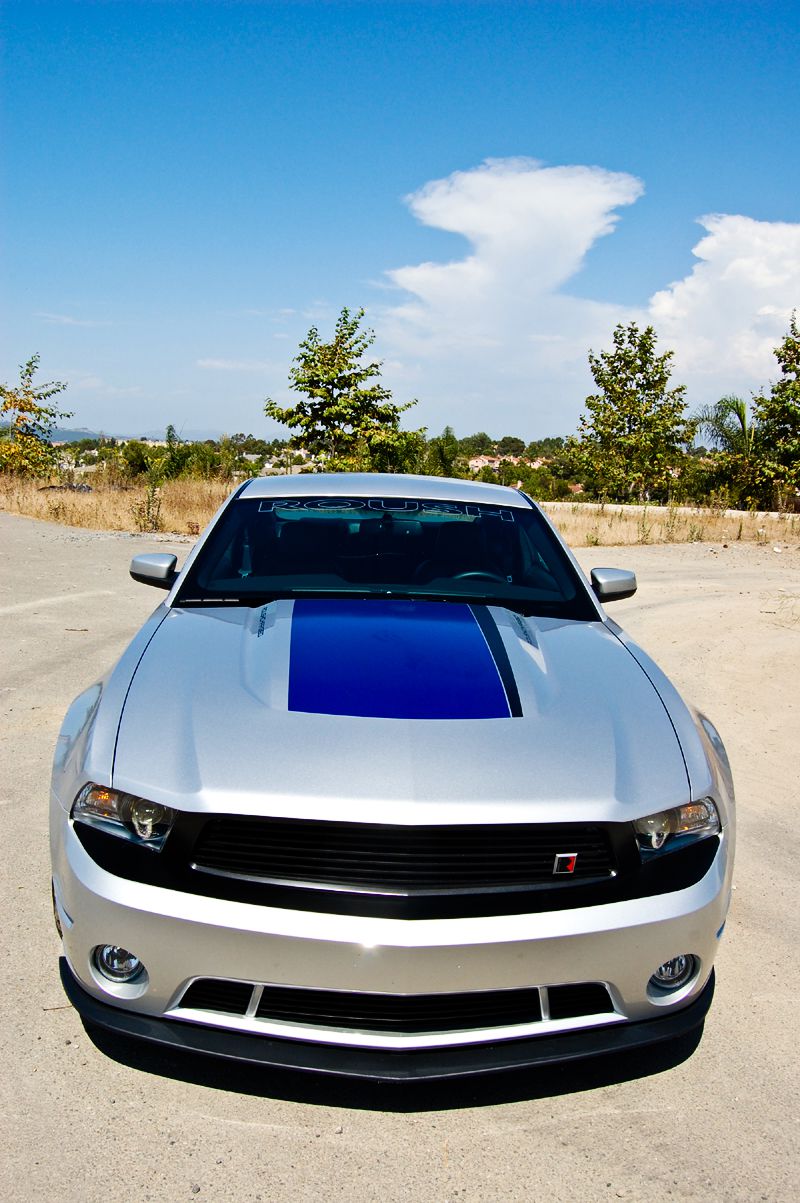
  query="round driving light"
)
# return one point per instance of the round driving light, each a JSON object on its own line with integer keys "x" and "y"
{"x": 145, "y": 816}
{"x": 117, "y": 964}
{"x": 675, "y": 973}
{"x": 654, "y": 829}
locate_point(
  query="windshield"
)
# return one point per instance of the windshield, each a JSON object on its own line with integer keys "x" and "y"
{"x": 265, "y": 548}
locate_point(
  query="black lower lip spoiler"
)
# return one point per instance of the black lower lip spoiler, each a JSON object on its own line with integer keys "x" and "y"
{"x": 427, "y": 1065}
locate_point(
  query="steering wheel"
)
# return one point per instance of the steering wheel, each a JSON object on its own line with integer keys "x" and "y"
{"x": 483, "y": 573}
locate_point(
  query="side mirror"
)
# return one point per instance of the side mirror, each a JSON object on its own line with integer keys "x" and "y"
{"x": 157, "y": 569}
{"x": 612, "y": 584}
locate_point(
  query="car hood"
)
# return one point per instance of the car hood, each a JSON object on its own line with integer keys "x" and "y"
{"x": 398, "y": 711}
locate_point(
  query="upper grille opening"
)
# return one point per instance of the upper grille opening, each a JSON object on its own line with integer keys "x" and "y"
{"x": 384, "y": 859}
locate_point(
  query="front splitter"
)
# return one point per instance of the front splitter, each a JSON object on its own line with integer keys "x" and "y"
{"x": 464, "y": 1061}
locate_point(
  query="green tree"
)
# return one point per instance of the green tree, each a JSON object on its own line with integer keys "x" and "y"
{"x": 508, "y": 473}
{"x": 25, "y": 446}
{"x": 778, "y": 416}
{"x": 177, "y": 456}
{"x": 544, "y": 448}
{"x": 249, "y": 444}
{"x": 632, "y": 441}
{"x": 135, "y": 457}
{"x": 476, "y": 444}
{"x": 729, "y": 425}
{"x": 737, "y": 438}
{"x": 204, "y": 461}
{"x": 511, "y": 445}
{"x": 347, "y": 420}
{"x": 541, "y": 483}
{"x": 442, "y": 455}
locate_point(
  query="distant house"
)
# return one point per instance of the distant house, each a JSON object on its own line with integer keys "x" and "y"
{"x": 491, "y": 461}
{"x": 483, "y": 461}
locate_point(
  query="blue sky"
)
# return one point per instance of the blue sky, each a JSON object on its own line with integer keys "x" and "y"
{"x": 188, "y": 186}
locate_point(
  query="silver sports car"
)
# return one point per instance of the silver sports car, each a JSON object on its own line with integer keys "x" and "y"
{"x": 380, "y": 790}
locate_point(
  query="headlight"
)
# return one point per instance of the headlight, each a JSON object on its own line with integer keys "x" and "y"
{"x": 670, "y": 829}
{"x": 124, "y": 815}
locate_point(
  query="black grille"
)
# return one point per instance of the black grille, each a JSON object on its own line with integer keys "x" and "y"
{"x": 173, "y": 869}
{"x": 413, "y": 1013}
{"x": 399, "y": 1013}
{"x": 401, "y": 860}
{"x": 210, "y": 994}
{"x": 583, "y": 998}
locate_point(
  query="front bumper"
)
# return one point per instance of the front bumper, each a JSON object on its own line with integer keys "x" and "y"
{"x": 181, "y": 938}
{"x": 382, "y": 1065}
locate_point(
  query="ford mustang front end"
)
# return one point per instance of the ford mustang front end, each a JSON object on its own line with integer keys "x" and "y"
{"x": 380, "y": 790}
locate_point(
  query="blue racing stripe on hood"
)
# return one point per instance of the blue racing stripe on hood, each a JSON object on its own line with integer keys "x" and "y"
{"x": 392, "y": 659}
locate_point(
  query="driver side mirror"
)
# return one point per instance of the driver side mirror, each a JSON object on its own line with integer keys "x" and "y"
{"x": 158, "y": 569}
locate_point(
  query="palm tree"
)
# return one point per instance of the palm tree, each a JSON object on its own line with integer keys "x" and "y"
{"x": 738, "y": 437}
{"x": 730, "y": 426}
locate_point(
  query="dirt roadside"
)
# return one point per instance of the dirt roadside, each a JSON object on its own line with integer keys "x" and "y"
{"x": 723, "y": 1124}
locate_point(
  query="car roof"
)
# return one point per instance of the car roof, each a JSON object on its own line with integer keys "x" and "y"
{"x": 381, "y": 484}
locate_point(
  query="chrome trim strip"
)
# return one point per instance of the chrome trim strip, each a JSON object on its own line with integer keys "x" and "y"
{"x": 349, "y": 1036}
{"x": 333, "y": 888}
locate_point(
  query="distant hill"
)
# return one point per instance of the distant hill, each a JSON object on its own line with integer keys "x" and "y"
{"x": 186, "y": 436}
{"x": 74, "y": 435}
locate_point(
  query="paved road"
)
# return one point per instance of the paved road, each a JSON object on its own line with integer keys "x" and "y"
{"x": 85, "y": 1123}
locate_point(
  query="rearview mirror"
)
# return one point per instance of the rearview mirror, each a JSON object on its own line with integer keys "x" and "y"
{"x": 612, "y": 584}
{"x": 157, "y": 569}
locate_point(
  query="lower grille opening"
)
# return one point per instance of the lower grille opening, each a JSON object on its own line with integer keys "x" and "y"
{"x": 401, "y": 1014}
{"x": 582, "y": 998}
{"x": 211, "y": 994}
{"x": 413, "y": 1013}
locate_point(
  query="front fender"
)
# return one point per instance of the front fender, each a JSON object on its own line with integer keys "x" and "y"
{"x": 707, "y": 764}
{"x": 87, "y": 740}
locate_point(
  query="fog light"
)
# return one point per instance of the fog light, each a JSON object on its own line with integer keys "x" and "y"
{"x": 675, "y": 973}
{"x": 117, "y": 964}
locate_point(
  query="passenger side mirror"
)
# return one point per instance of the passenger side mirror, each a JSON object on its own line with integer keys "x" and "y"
{"x": 157, "y": 569}
{"x": 612, "y": 584}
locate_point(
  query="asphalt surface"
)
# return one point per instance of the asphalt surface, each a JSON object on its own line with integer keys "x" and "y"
{"x": 88, "y": 1122}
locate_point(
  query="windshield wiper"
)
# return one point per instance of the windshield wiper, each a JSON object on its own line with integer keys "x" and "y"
{"x": 249, "y": 600}
{"x": 525, "y": 606}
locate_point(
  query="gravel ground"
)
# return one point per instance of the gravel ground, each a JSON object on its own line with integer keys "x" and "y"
{"x": 83, "y": 1122}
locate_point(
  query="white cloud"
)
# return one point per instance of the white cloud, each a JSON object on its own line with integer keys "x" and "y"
{"x": 492, "y": 335}
{"x": 236, "y": 365}
{"x": 727, "y": 315}
{"x": 63, "y": 319}
{"x": 494, "y": 339}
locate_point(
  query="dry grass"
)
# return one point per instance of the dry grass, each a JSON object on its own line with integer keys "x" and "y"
{"x": 185, "y": 506}
{"x": 181, "y": 506}
{"x": 586, "y": 525}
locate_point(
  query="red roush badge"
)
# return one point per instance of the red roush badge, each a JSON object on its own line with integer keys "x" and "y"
{"x": 565, "y": 862}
